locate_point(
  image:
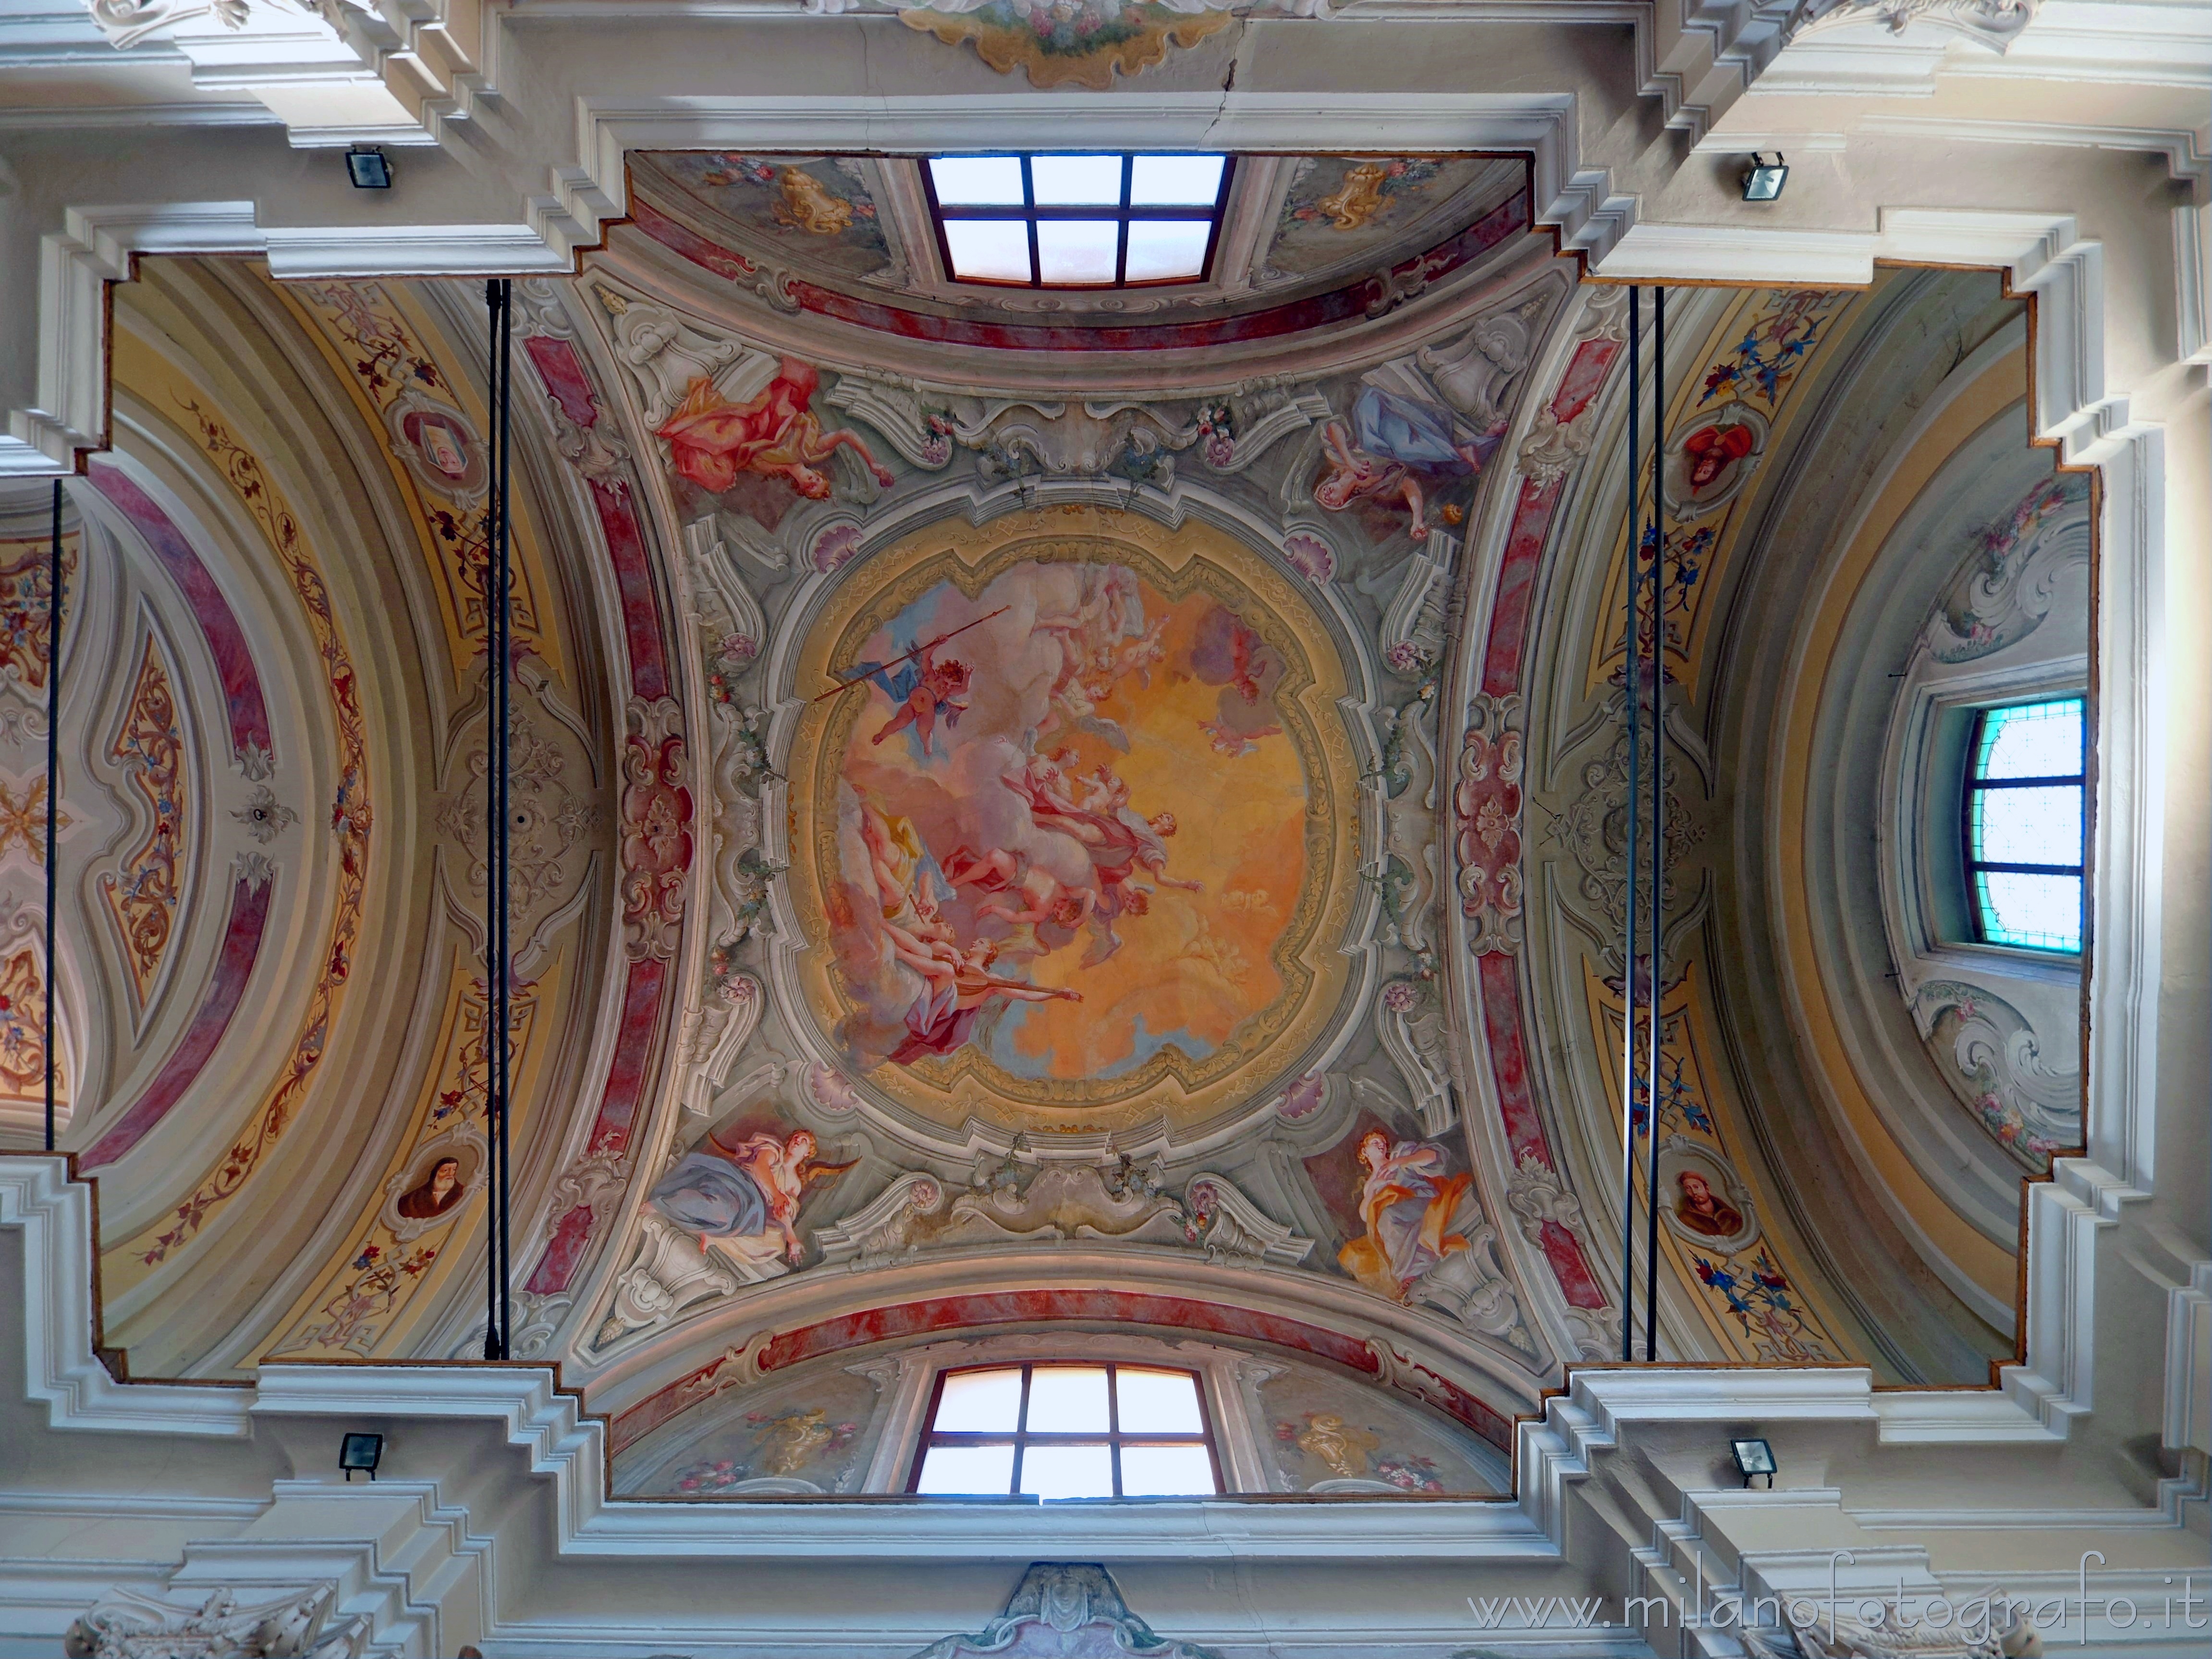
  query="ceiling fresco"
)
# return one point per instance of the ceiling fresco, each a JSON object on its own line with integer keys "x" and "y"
{"x": 1308, "y": 246}
{"x": 1087, "y": 858}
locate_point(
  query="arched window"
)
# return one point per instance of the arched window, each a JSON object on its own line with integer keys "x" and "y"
{"x": 2024, "y": 823}
{"x": 1060, "y": 1431}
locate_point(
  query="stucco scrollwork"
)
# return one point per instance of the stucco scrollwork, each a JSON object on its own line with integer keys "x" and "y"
{"x": 1994, "y": 23}
{"x": 2009, "y": 582}
{"x": 124, "y": 1625}
{"x": 1077, "y": 1602}
{"x": 668, "y": 1272}
{"x": 1992, "y": 1059}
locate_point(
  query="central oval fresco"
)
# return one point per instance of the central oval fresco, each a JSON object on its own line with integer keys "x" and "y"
{"x": 1074, "y": 849}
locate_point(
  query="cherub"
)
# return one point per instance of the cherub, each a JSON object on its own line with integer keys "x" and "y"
{"x": 776, "y": 435}
{"x": 938, "y": 688}
{"x": 1050, "y": 902}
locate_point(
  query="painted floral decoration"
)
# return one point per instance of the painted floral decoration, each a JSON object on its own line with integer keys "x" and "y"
{"x": 1409, "y": 1472}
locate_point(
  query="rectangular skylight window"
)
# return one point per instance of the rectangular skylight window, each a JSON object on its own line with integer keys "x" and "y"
{"x": 1078, "y": 221}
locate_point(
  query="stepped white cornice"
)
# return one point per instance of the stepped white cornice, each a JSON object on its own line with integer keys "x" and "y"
{"x": 335, "y": 71}
{"x": 495, "y": 1473}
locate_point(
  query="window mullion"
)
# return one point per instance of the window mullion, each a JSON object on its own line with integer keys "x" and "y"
{"x": 1036, "y": 280}
{"x": 1022, "y": 1417}
{"x": 1113, "y": 1381}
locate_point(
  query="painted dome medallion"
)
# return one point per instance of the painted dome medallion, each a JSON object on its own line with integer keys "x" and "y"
{"x": 1074, "y": 850}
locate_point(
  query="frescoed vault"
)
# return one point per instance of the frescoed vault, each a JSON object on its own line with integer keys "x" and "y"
{"x": 1002, "y": 843}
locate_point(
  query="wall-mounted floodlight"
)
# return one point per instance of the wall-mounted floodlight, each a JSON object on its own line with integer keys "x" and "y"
{"x": 370, "y": 169}
{"x": 362, "y": 1453}
{"x": 1762, "y": 179}
{"x": 1753, "y": 1458}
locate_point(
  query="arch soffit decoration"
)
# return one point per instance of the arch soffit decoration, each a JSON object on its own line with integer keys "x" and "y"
{"x": 259, "y": 500}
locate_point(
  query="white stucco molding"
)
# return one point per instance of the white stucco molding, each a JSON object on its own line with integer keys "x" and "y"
{"x": 1603, "y": 1407}
{"x": 334, "y": 71}
{"x": 97, "y": 245}
{"x": 53, "y": 1214}
{"x": 2188, "y": 1423}
{"x": 2192, "y": 282}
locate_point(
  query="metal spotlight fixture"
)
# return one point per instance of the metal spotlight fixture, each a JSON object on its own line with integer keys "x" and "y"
{"x": 370, "y": 169}
{"x": 1762, "y": 179}
{"x": 1753, "y": 1458}
{"x": 363, "y": 1452}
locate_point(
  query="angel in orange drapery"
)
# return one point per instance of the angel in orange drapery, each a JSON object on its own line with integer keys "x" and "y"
{"x": 1406, "y": 1202}
{"x": 711, "y": 439}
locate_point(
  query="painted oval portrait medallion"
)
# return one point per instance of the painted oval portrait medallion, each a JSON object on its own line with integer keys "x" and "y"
{"x": 1075, "y": 847}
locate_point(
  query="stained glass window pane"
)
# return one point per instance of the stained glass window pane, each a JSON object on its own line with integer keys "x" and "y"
{"x": 1162, "y": 249}
{"x": 2025, "y": 800}
{"x": 967, "y": 1471}
{"x": 1158, "y": 1403}
{"x": 977, "y": 180}
{"x": 1175, "y": 180}
{"x": 1076, "y": 180}
{"x": 1052, "y": 1472}
{"x": 2035, "y": 740}
{"x": 1071, "y": 250}
{"x": 981, "y": 1402}
{"x": 989, "y": 250}
{"x": 1166, "y": 1472}
{"x": 2041, "y": 825}
{"x": 2043, "y": 913}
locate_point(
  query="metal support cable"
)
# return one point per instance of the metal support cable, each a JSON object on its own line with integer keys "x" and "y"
{"x": 1632, "y": 677}
{"x": 503, "y": 610}
{"x": 53, "y": 783}
{"x": 1654, "y": 965}
{"x": 497, "y": 1309}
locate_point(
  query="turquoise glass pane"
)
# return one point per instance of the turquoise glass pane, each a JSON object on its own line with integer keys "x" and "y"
{"x": 2028, "y": 824}
{"x": 2042, "y": 825}
{"x": 2032, "y": 740}
{"x": 2041, "y": 912}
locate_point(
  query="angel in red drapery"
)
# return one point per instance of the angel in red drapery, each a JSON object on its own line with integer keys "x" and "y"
{"x": 711, "y": 439}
